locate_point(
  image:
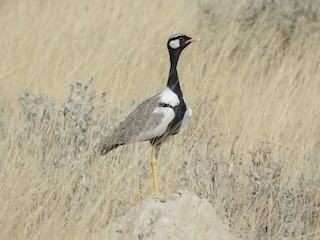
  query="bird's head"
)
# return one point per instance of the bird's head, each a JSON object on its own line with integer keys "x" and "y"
{"x": 178, "y": 42}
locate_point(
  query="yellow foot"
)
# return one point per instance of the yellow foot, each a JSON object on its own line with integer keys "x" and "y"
{"x": 160, "y": 197}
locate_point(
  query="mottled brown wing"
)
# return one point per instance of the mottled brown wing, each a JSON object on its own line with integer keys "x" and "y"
{"x": 140, "y": 121}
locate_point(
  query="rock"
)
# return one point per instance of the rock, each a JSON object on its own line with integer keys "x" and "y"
{"x": 182, "y": 216}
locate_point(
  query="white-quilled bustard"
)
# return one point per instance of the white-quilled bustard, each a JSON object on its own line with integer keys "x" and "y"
{"x": 158, "y": 117}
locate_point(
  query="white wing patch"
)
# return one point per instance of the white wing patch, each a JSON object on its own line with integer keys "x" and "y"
{"x": 174, "y": 44}
{"x": 168, "y": 116}
{"x": 186, "y": 119}
{"x": 167, "y": 96}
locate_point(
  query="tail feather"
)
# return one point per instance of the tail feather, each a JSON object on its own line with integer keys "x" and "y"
{"x": 105, "y": 148}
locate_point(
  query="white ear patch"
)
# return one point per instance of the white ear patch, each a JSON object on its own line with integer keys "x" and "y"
{"x": 174, "y": 43}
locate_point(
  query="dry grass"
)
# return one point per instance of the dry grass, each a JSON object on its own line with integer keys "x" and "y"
{"x": 252, "y": 147}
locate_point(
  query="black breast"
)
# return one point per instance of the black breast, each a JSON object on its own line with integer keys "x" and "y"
{"x": 179, "y": 111}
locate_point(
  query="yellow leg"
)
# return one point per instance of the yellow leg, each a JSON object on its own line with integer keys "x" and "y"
{"x": 154, "y": 168}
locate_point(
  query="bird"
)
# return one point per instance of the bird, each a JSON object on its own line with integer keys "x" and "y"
{"x": 157, "y": 118}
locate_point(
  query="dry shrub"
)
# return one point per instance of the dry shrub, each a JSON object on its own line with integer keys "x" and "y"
{"x": 252, "y": 147}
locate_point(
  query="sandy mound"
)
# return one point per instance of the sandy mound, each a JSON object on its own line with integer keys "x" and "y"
{"x": 182, "y": 216}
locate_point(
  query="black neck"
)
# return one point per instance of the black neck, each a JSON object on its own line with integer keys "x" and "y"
{"x": 173, "y": 81}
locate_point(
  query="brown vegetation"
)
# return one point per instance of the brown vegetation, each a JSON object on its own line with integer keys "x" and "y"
{"x": 252, "y": 148}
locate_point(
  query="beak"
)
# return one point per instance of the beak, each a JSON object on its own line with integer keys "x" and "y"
{"x": 193, "y": 40}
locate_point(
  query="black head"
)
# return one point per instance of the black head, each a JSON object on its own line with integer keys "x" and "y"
{"x": 178, "y": 42}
